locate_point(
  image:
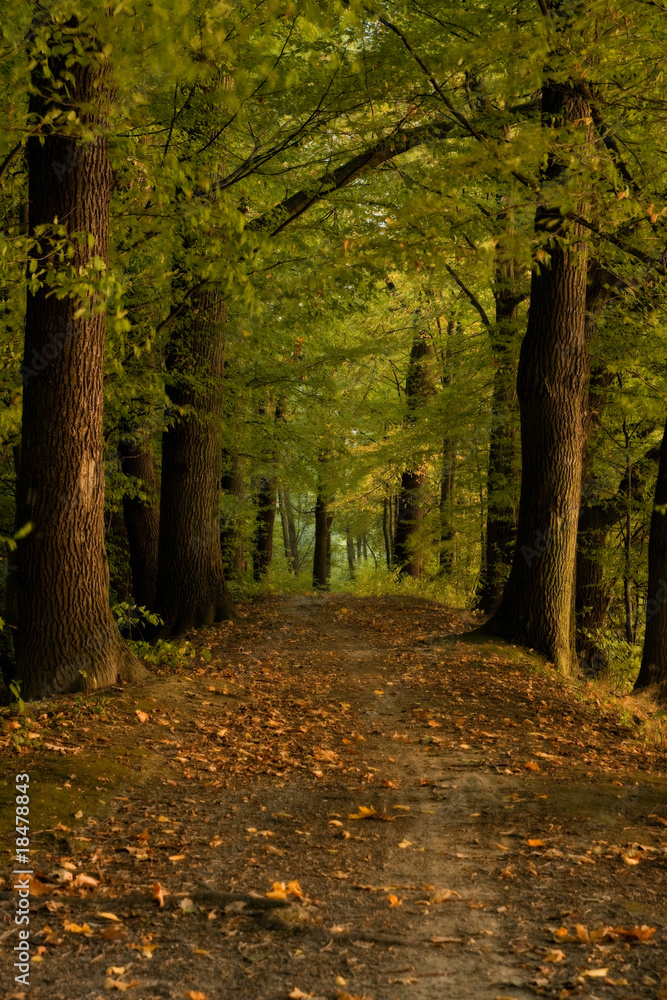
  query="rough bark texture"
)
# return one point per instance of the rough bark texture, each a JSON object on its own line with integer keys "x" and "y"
{"x": 142, "y": 518}
{"x": 538, "y": 602}
{"x": 596, "y": 514}
{"x": 418, "y": 387}
{"x": 191, "y": 588}
{"x": 503, "y": 445}
{"x": 66, "y": 637}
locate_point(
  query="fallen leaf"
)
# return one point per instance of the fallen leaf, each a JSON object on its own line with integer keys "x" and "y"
{"x": 117, "y": 984}
{"x": 531, "y": 766}
{"x": 177, "y": 857}
{"x": 554, "y": 955}
{"x": 442, "y": 895}
{"x": 536, "y": 843}
{"x": 108, "y": 916}
{"x": 298, "y": 994}
{"x": 78, "y": 928}
{"x": 364, "y": 813}
{"x": 158, "y": 894}
{"x": 394, "y": 901}
{"x": 195, "y": 995}
{"x": 142, "y": 716}
{"x": 405, "y": 843}
{"x": 595, "y": 973}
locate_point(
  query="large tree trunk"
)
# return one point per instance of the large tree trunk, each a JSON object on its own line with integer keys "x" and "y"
{"x": 653, "y": 670}
{"x": 419, "y": 386}
{"x": 538, "y": 602}
{"x": 191, "y": 588}
{"x": 66, "y": 637}
{"x": 141, "y": 511}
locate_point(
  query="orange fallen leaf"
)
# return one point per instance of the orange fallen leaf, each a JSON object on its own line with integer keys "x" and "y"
{"x": 365, "y": 812}
{"x": 536, "y": 843}
{"x": 195, "y": 995}
{"x": 531, "y": 766}
{"x": 442, "y": 895}
{"x": 158, "y": 894}
{"x": 394, "y": 901}
{"x": 142, "y": 716}
{"x": 118, "y": 984}
{"x": 554, "y": 955}
{"x": 298, "y": 994}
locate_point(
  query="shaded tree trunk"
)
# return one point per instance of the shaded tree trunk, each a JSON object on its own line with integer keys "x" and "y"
{"x": 142, "y": 518}
{"x": 291, "y": 527}
{"x": 191, "y": 588}
{"x": 266, "y": 516}
{"x": 447, "y": 480}
{"x": 500, "y": 535}
{"x": 321, "y": 559}
{"x": 386, "y": 531}
{"x": 285, "y": 528}
{"x": 350, "y": 551}
{"x": 418, "y": 387}
{"x": 231, "y": 532}
{"x": 66, "y": 637}
{"x": 538, "y": 602}
{"x": 653, "y": 671}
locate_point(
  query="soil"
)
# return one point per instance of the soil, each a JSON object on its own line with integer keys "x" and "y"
{"x": 346, "y": 798}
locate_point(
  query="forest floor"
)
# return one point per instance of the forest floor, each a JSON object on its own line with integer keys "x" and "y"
{"x": 349, "y": 800}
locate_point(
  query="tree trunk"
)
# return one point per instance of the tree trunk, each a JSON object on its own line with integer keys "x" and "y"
{"x": 291, "y": 526}
{"x": 503, "y": 459}
{"x": 191, "y": 588}
{"x": 266, "y": 516}
{"x": 386, "y": 531}
{"x": 232, "y": 482}
{"x": 418, "y": 387}
{"x": 142, "y": 518}
{"x": 285, "y": 527}
{"x": 538, "y": 601}
{"x": 653, "y": 670}
{"x": 321, "y": 557}
{"x": 350, "y": 551}
{"x": 447, "y": 479}
{"x": 66, "y": 637}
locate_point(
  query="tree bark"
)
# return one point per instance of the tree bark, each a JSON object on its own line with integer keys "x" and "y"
{"x": 501, "y": 515}
{"x": 653, "y": 671}
{"x": 266, "y": 516}
{"x": 142, "y": 518}
{"x": 447, "y": 480}
{"x": 66, "y": 637}
{"x": 321, "y": 563}
{"x": 291, "y": 527}
{"x": 231, "y": 531}
{"x": 537, "y": 605}
{"x": 418, "y": 387}
{"x": 191, "y": 588}
{"x": 349, "y": 541}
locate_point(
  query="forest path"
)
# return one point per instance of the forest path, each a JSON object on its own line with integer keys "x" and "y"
{"x": 453, "y": 823}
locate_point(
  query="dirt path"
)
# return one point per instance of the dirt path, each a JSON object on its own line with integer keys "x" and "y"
{"x": 433, "y": 818}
